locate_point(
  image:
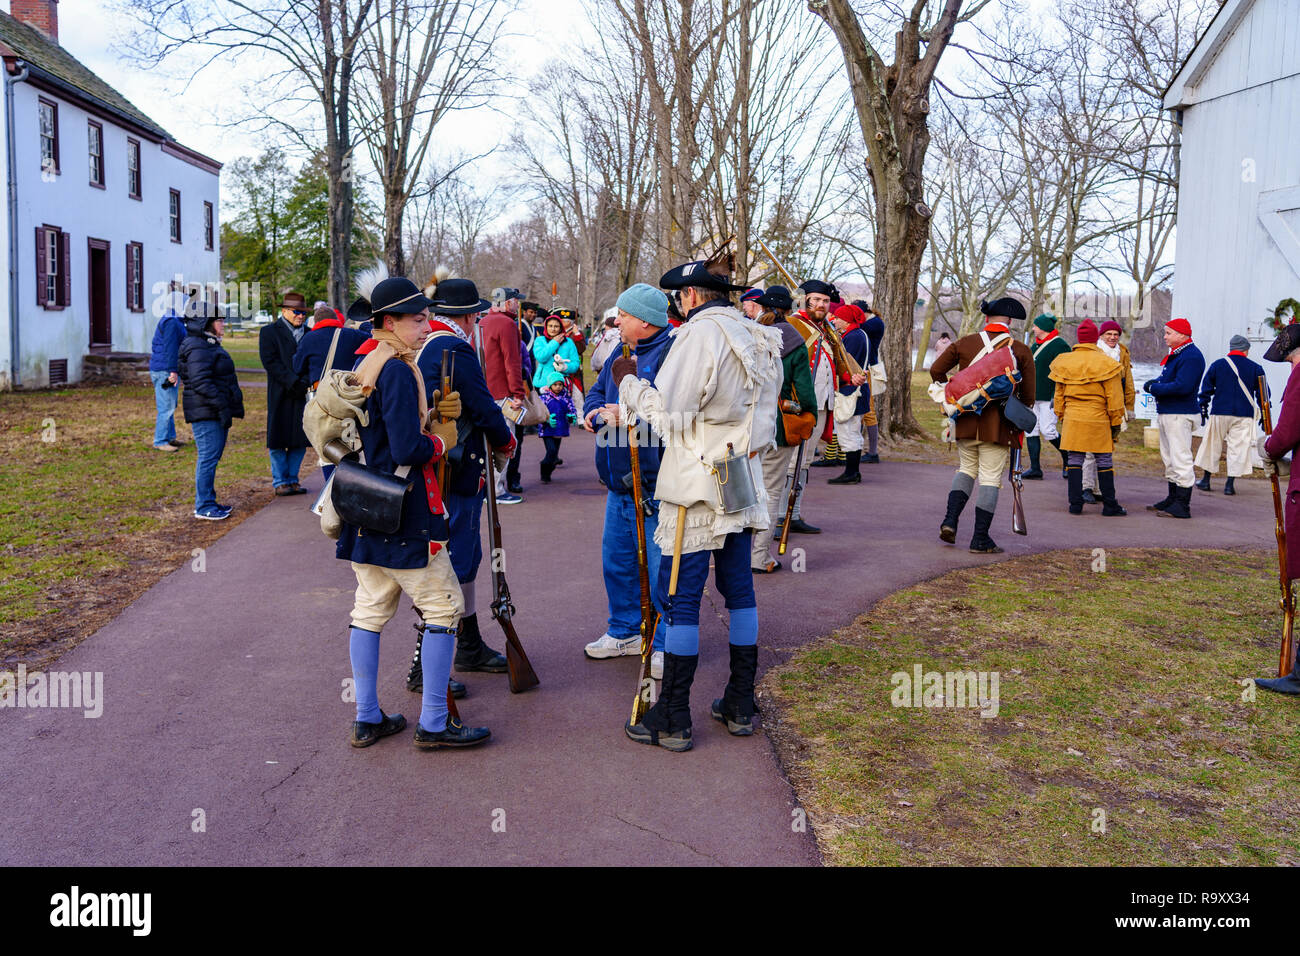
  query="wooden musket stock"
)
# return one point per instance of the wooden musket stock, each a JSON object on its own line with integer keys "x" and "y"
{"x": 1286, "y": 657}
{"x": 649, "y": 616}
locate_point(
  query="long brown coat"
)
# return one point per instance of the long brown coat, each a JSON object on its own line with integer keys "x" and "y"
{"x": 989, "y": 425}
{"x": 1089, "y": 398}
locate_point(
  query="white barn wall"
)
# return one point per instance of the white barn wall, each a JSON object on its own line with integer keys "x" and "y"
{"x": 83, "y": 211}
{"x": 1240, "y": 138}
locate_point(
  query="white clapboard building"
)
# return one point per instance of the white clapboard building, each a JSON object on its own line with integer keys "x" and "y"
{"x": 103, "y": 209}
{"x": 1238, "y": 99}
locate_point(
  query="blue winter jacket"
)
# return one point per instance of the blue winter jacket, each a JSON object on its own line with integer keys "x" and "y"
{"x": 309, "y": 359}
{"x": 874, "y": 328}
{"x": 392, "y": 438}
{"x": 613, "y": 460}
{"x": 857, "y": 345}
{"x": 1220, "y": 386}
{"x": 480, "y": 416}
{"x": 561, "y": 407}
{"x": 544, "y": 352}
{"x": 163, "y": 357}
{"x": 1175, "y": 389}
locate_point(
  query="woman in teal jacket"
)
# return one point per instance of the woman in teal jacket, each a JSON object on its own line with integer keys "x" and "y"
{"x": 549, "y": 346}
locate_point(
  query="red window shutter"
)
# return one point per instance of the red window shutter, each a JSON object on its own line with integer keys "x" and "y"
{"x": 40, "y": 265}
{"x": 65, "y": 261}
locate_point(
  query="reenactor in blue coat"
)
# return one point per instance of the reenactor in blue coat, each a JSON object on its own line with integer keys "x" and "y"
{"x": 455, "y": 307}
{"x": 402, "y": 437}
{"x": 1176, "y": 411}
{"x": 1231, "y": 402}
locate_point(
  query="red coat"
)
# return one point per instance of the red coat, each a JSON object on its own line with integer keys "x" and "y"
{"x": 502, "y": 365}
{"x": 1286, "y": 438}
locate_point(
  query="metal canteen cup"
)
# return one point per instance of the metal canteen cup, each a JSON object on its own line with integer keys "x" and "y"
{"x": 736, "y": 488}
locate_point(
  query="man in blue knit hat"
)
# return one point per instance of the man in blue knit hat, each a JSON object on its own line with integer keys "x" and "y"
{"x": 642, "y": 321}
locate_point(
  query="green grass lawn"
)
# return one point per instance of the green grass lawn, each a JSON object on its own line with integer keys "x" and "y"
{"x": 91, "y": 514}
{"x": 1124, "y": 734}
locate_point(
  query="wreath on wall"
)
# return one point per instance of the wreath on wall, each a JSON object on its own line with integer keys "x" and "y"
{"x": 1286, "y": 313}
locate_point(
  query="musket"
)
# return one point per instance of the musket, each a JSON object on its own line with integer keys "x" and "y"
{"x": 795, "y": 487}
{"x": 846, "y": 366}
{"x": 1018, "y": 524}
{"x": 1286, "y": 658}
{"x": 521, "y": 673}
{"x": 649, "y": 616}
{"x": 448, "y": 370}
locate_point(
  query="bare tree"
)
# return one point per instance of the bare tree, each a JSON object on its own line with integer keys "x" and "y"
{"x": 421, "y": 59}
{"x": 892, "y": 102}
{"x": 314, "y": 45}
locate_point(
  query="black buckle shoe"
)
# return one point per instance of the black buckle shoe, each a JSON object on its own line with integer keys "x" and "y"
{"x": 455, "y": 734}
{"x": 364, "y": 734}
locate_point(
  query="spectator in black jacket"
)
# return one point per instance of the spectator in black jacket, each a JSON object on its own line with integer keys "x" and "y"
{"x": 211, "y": 400}
{"x": 286, "y": 393}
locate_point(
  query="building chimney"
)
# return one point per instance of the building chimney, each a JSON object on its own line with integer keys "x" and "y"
{"x": 42, "y": 14}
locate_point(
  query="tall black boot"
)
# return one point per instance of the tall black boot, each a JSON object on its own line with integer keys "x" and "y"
{"x": 1035, "y": 448}
{"x": 1180, "y": 507}
{"x": 735, "y": 707}
{"x": 1228, "y": 487}
{"x": 474, "y": 655}
{"x": 1204, "y": 483}
{"x": 851, "y": 476}
{"x": 1056, "y": 443}
{"x": 1074, "y": 482}
{"x": 668, "y": 723}
{"x": 956, "y": 502}
{"x": 1166, "y": 501}
{"x": 981, "y": 543}
{"x": 1109, "y": 506}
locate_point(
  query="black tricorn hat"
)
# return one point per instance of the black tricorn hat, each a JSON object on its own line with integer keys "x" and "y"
{"x": 1287, "y": 341}
{"x": 697, "y": 274}
{"x": 776, "y": 297}
{"x": 458, "y": 297}
{"x": 1005, "y": 307}
{"x": 397, "y": 296}
{"x": 817, "y": 287}
{"x": 359, "y": 311}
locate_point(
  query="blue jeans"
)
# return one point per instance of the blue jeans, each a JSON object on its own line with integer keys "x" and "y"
{"x": 622, "y": 578}
{"x": 731, "y": 574}
{"x": 164, "y": 429}
{"x": 284, "y": 465}
{"x": 209, "y": 443}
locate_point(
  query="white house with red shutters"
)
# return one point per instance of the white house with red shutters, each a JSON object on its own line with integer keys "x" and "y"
{"x": 103, "y": 211}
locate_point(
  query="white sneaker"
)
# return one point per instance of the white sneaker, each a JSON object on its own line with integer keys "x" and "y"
{"x": 657, "y": 665}
{"x": 608, "y": 646}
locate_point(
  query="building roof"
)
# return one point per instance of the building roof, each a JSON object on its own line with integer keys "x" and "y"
{"x": 1226, "y": 19}
{"x": 39, "y": 51}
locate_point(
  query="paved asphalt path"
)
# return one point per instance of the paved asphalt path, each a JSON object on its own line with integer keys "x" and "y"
{"x": 223, "y": 693}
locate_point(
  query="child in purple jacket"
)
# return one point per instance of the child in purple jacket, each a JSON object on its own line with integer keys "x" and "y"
{"x": 555, "y": 394}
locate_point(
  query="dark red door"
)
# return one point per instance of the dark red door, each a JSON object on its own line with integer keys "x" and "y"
{"x": 100, "y": 300}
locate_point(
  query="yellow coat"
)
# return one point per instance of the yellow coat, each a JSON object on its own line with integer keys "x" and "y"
{"x": 1089, "y": 398}
{"x": 1126, "y": 363}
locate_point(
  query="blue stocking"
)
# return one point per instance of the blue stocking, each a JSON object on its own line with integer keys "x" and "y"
{"x": 743, "y": 631}
{"x": 436, "y": 652}
{"x": 364, "y": 649}
{"x": 683, "y": 640}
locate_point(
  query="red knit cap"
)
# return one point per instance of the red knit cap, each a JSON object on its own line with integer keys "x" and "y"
{"x": 1088, "y": 333}
{"x": 1110, "y": 325}
{"x": 851, "y": 314}
{"x": 1180, "y": 325}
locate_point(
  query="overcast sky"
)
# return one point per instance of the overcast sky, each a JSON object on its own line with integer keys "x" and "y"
{"x": 198, "y": 113}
